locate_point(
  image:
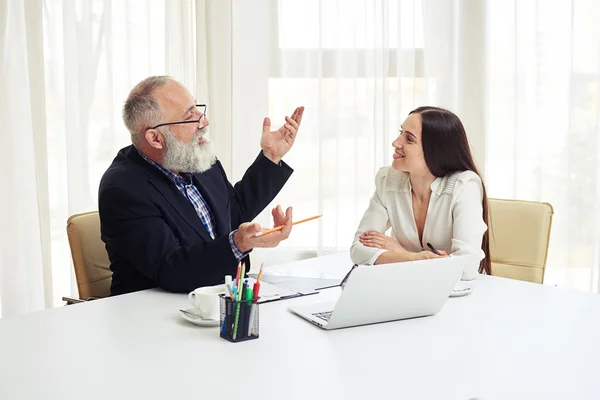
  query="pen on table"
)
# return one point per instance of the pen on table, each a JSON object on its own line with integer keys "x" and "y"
{"x": 433, "y": 249}
{"x": 278, "y": 228}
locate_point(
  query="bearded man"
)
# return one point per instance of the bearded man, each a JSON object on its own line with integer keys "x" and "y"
{"x": 169, "y": 216}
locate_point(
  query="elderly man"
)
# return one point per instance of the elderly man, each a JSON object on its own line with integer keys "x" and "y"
{"x": 169, "y": 216}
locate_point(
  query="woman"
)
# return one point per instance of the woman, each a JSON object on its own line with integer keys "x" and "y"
{"x": 432, "y": 197}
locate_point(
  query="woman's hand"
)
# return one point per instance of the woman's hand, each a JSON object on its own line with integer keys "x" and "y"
{"x": 428, "y": 255}
{"x": 380, "y": 241}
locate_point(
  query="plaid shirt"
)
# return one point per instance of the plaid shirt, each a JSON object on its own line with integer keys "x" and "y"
{"x": 186, "y": 187}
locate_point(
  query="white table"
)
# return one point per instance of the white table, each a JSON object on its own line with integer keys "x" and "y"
{"x": 506, "y": 340}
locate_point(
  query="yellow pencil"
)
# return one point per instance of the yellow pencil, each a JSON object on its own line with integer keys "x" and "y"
{"x": 278, "y": 228}
{"x": 260, "y": 272}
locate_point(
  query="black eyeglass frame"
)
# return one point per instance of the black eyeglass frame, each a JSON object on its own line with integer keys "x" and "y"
{"x": 196, "y": 121}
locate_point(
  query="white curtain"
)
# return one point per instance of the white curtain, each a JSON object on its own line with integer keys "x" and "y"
{"x": 66, "y": 68}
{"x": 543, "y": 131}
{"x": 455, "y": 58}
{"x": 25, "y": 269}
{"x": 358, "y": 68}
{"x": 524, "y": 77}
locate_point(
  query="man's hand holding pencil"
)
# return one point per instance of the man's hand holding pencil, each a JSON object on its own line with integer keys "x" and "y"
{"x": 251, "y": 235}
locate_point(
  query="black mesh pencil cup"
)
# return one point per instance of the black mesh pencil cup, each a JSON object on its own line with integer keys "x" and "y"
{"x": 239, "y": 319}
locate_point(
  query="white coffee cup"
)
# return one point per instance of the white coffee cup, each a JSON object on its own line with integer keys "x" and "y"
{"x": 206, "y": 301}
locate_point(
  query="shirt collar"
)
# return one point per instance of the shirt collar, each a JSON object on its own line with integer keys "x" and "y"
{"x": 399, "y": 181}
{"x": 185, "y": 178}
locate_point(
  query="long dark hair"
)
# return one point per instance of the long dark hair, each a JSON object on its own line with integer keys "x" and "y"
{"x": 446, "y": 150}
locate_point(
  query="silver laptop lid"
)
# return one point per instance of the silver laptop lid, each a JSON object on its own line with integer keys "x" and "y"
{"x": 387, "y": 292}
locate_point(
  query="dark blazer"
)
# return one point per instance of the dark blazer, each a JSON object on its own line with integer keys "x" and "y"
{"x": 152, "y": 233}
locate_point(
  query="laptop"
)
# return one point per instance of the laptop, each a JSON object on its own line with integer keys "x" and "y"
{"x": 388, "y": 292}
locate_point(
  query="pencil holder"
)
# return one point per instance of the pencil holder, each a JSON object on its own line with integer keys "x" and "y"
{"x": 239, "y": 319}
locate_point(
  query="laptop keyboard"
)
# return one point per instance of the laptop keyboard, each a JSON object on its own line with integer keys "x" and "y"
{"x": 325, "y": 315}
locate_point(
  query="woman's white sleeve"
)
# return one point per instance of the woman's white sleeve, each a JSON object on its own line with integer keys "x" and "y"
{"x": 375, "y": 219}
{"x": 468, "y": 226}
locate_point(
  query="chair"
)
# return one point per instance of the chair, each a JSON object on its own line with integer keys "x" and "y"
{"x": 519, "y": 238}
{"x": 89, "y": 256}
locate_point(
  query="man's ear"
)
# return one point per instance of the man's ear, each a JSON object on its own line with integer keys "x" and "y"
{"x": 154, "y": 138}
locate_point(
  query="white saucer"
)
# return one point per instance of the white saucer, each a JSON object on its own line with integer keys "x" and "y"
{"x": 197, "y": 320}
{"x": 462, "y": 288}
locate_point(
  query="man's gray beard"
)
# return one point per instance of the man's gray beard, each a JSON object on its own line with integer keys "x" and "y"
{"x": 188, "y": 157}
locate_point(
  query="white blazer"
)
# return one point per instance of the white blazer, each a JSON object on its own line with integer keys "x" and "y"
{"x": 454, "y": 220}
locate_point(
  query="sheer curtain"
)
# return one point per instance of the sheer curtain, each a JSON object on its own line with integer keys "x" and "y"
{"x": 358, "y": 68}
{"x": 25, "y": 269}
{"x": 543, "y": 130}
{"x": 94, "y": 52}
{"x": 523, "y": 76}
{"x": 66, "y": 67}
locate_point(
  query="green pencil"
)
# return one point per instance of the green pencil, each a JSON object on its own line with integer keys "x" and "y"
{"x": 237, "y": 306}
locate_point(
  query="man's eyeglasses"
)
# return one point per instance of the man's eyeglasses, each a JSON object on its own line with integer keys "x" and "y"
{"x": 199, "y": 107}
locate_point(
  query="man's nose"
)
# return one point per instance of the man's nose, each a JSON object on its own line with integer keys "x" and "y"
{"x": 203, "y": 122}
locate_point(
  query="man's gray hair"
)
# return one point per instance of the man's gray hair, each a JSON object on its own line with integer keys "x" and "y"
{"x": 141, "y": 110}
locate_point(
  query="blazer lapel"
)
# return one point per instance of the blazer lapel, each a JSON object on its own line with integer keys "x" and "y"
{"x": 181, "y": 205}
{"x": 169, "y": 191}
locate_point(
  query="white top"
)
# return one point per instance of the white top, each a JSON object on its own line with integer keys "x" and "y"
{"x": 454, "y": 220}
{"x": 505, "y": 340}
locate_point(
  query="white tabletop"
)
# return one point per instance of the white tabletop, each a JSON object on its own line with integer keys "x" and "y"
{"x": 331, "y": 266}
{"x": 506, "y": 340}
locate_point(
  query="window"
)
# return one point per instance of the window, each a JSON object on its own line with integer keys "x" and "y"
{"x": 357, "y": 67}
